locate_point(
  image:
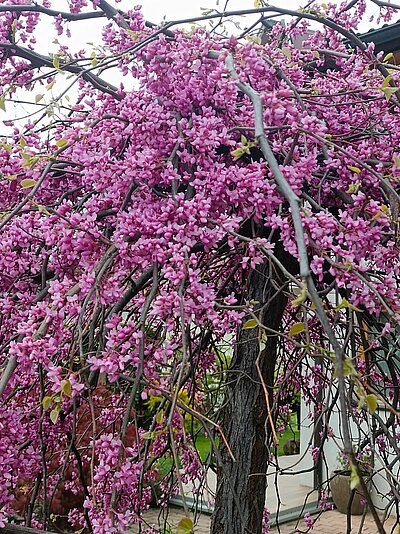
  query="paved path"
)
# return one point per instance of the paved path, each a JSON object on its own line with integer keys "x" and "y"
{"x": 335, "y": 523}
{"x": 327, "y": 523}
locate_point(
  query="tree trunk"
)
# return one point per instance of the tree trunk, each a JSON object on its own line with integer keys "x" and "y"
{"x": 241, "y": 485}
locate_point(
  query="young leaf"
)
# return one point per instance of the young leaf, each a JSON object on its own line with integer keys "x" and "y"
{"x": 386, "y": 82}
{"x": 353, "y": 188}
{"x": 251, "y": 323}
{"x": 25, "y": 184}
{"x": 348, "y": 367}
{"x": 263, "y": 341}
{"x": 151, "y": 435}
{"x": 43, "y": 209}
{"x": 389, "y": 91}
{"x": 38, "y": 98}
{"x": 55, "y": 412}
{"x": 66, "y": 388}
{"x": 238, "y": 153}
{"x": 346, "y": 304}
{"x": 354, "y": 169}
{"x": 185, "y": 526}
{"x": 2, "y": 103}
{"x": 354, "y": 478}
{"x": 61, "y": 142}
{"x": 298, "y": 301}
{"x": 160, "y": 417}
{"x": 296, "y": 329}
{"x": 372, "y": 402}
{"x": 56, "y": 62}
{"x": 46, "y": 402}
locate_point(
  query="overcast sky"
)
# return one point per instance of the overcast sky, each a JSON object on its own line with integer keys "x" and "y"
{"x": 158, "y": 10}
{"x": 154, "y": 11}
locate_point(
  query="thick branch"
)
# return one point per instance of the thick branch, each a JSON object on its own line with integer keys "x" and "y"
{"x": 38, "y": 61}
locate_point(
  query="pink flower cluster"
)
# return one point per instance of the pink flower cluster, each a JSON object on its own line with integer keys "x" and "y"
{"x": 126, "y": 268}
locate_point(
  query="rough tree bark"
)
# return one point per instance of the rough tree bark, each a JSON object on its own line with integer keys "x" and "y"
{"x": 241, "y": 487}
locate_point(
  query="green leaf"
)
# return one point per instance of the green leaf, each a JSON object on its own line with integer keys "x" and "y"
{"x": 6, "y": 147}
{"x": 316, "y": 54}
{"x": 386, "y": 82}
{"x": 55, "y": 412}
{"x": 43, "y": 209}
{"x": 25, "y": 184}
{"x": 346, "y": 304}
{"x": 93, "y": 59}
{"x": 133, "y": 34}
{"x": 10, "y": 178}
{"x": 151, "y": 435}
{"x": 300, "y": 298}
{"x": 46, "y": 402}
{"x": 263, "y": 341}
{"x": 389, "y": 91}
{"x": 160, "y": 417}
{"x": 354, "y": 169}
{"x": 2, "y": 103}
{"x": 38, "y": 98}
{"x": 238, "y": 153}
{"x": 354, "y": 478}
{"x": 185, "y": 526}
{"x": 66, "y": 388}
{"x": 61, "y": 142}
{"x": 353, "y": 188}
{"x": 56, "y": 62}
{"x": 372, "y": 402}
{"x": 296, "y": 329}
{"x": 251, "y": 323}
{"x": 348, "y": 367}
{"x": 387, "y": 57}
{"x": 287, "y": 52}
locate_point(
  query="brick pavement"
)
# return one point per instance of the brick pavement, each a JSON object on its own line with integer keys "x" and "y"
{"x": 335, "y": 523}
{"x": 331, "y": 522}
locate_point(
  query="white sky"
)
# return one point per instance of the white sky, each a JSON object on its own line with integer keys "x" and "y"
{"x": 158, "y": 10}
{"x": 153, "y": 10}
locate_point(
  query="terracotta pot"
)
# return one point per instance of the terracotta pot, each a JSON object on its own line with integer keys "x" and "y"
{"x": 341, "y": 494}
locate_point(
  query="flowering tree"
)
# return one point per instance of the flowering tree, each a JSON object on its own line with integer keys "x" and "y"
{"x": 221, "y": 193}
